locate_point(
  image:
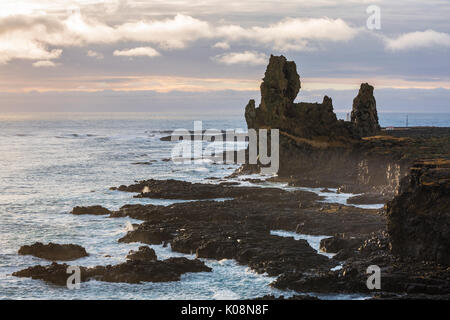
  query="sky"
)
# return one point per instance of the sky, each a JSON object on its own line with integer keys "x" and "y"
{"x": 182, "y": 55}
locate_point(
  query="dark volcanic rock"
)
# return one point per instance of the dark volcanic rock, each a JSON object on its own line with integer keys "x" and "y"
{"x": 137, "y": 271}
{"x": 144, "y": 253}
{"x": 240, "y": 229}
{"x": 132, "y": 271}
{"x": 419, "y": 216}
{"x": 364, "y": 113}
{"x": 279, "y": 88}
{"x": 277, "y": 110}
{"x": 96, "y": 210}
{"x": 397, "y": 276}
{"x": 54, "y": 251}
{"x": 55, "y": 273}
{"x": 177, "y": 189}
{"x": 335, "y": 244}
{"x": 154, "y": 236}
{"x": 317, "y": 149}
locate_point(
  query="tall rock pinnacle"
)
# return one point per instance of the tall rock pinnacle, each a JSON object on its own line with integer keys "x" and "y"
{"x": 277, "y": 110}
{"x": 279, "y": 89}
{"x": 364, "y": 113}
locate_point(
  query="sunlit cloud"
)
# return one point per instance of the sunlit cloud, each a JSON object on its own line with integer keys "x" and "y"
{"x": 246, "y": 57}
{"x": 418, "y": 39}
{"x": 221, "y": 45}
{"x": 95, "y": 54}
{"x": 18, "y": 47}
{"x": 44, "y": 63}
{"x": 136, "y": 52}
{"x": 292, "y": 34}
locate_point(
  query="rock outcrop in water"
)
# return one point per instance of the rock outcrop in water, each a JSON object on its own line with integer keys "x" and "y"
{"x": 144, "y": 253}
{"x": 54, "y": 251}
{"x": 94, "y": 210}
{"x": 141, "y": 266}
{"x": 419, "y": 216}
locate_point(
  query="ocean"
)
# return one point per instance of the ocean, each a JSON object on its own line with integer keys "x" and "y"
{"x": 52, "y": 162}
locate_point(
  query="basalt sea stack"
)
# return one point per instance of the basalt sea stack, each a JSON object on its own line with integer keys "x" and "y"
{"x": 317, "y": 149}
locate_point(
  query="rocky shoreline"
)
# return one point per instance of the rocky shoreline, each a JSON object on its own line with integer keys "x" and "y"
{"x": 408, "y": 239}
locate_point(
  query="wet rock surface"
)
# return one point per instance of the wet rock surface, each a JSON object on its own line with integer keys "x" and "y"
{"x": 54, "y": 251}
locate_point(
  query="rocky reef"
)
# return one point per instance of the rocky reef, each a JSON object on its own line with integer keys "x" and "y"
{"x": 141, "y": 266}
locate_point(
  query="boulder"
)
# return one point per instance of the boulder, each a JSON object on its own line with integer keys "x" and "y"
{"x": 144, "y": 253}
{"x": 335, "y": 244}
{"x": 54, "y": 251}
{"x": 95, "y": 210}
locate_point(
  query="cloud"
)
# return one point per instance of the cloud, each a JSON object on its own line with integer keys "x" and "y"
{"x": 94, "y": 54}
{"x": 173, "y": 33}
{"x": 31, "y": 36}
{"x": 221, "y": 45}
{"x": 44, "y": 63}
{"x": 141, "y": 51}
{"x": 292, "y": 34}
{"x": 246, "y": 57}
{"x": 24, "y": 48}
{"x": 418, "y": 39}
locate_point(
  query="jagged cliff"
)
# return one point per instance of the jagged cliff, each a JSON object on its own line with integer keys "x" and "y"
{"x": 419, "y": 216}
